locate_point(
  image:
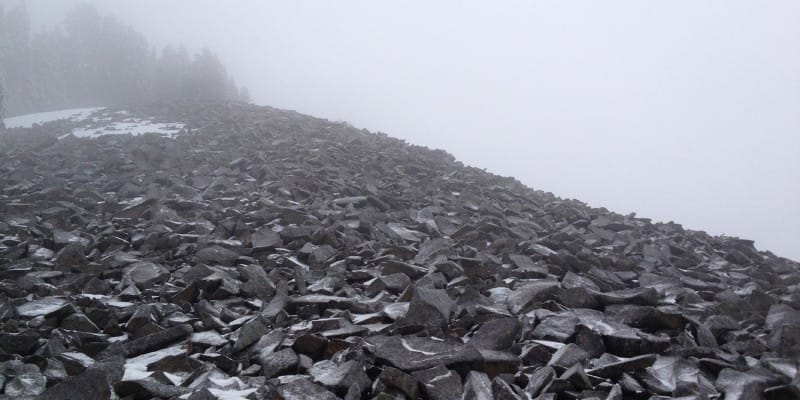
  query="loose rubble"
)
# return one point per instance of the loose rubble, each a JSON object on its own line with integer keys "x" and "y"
{"x": 265, "y": 254}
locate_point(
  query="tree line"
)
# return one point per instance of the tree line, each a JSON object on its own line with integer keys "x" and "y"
{"x": 95, "y": 60}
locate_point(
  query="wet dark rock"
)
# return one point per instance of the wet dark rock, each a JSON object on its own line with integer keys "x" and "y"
{"x": 157, "y": 340}
{"x": 411, "y": 353}
{"x": 45, "y": 306}
{"x": 257, "y": 283}
{"x": 20, "y": 343}
{"x": 477, "y": 386}
{"x": 539, "y": 380}
{"x": 146, "y": 274}
{"x": 439, "y": 383}
{"x": 92, "y": 384}
{"x": 395, "y": 378}
{"x": 145, "y": 389}
{"x": 559, "y": 328}
{"x": 75, "y": 362}
{"x": 530, "y": 293}
{"x": 22, "y": 380}
{"x": 568, "y": 356}
{"x": 216, "y": 255}
{"x": 738, "y": 385}
{"x": 638, "y": 296}
{"x": 304, "y": 389}
{"x": 340, "y": 377}
{"x": 71, "y": 257}
{"x": 278, "y": 363}
{"x": 497, "y": 334}
{"x": 250, "y": 332}
{"x": 326, "y": 301}
{"x": 265, "y": 238}
{"x": 613, "y": 367}
{"x": 429, "y": 308}
{"x": 79, "y": 322}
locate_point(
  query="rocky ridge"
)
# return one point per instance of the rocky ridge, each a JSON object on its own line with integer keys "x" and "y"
{"x": 265, "y": 254}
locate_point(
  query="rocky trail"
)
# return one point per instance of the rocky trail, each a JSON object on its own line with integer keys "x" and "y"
{"x": 254, "y": 253}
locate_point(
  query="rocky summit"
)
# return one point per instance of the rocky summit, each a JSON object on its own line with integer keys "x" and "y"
{"x": 265, "y": 254}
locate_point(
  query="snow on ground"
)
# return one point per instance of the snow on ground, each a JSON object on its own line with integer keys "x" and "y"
{"x": 108, "y": 123}
{"x": 132, "y": 126}
{"x": 136, "y": 367}
{"x": 27, "y": 121}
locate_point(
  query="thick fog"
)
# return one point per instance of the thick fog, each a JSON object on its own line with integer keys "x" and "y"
{"x": 676, "y": 110}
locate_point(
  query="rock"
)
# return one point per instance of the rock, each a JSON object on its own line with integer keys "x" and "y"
{"x": 257, "y": 283}
{"x": 536, "y": 291}
{"x": 155, "y": 341}
{"x": 207, "y": 339}
{"x": 265, "y": 238}
{"x": 411, "y": 353}
{"x": 146, "y": 274}
{"x": 75, "y": 362}
{"x": 21, "y": 343}
{"x": 216, "y": 255}
{"x": 614, "y": 367}
{"x": 79, "y": 322}
{"x": 145, "y": 389}
{"x": 439, "y": 383}
{"x": 278, "y": 363}
{"x": 202, "y": 394}
{"x": 478, "y": 387}
{"x": 501, "y": 390}
{"x": 250, "y": 332}
{"x": 92, "y": 384}
{"x": 43, "y": 307}
{"x": 429, "y": 308}
{"x": 741, "y": 385}
{"x": 71, "y": 257}
{"x": 303, "y": 389}
{"x": 395, "y": 378}
{"x": 497, "y": 334}
{"x": 136, "y": 210}
{"x": 638, "y": 296}
{"x": 559, "y": 328}
{"x": 568, "y": 356}
{"x": 324, "y": 302}
{"x": 340, "y": 377}
{"x": 574, "y": 378}
{"x": 22, "y": 380}
{"x": 539, "y": 380}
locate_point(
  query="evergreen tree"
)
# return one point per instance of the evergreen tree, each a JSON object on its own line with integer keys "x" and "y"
{"x": 2, "y": 74}
{"x": 95, "y": 60}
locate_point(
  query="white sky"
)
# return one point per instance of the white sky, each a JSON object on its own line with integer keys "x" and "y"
{"x": 676, "y": 110}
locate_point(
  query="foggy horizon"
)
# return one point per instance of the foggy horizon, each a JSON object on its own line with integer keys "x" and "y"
{"x": 679, "y": 111}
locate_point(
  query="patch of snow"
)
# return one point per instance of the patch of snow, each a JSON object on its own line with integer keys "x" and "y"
{"x": 97, "y": 124}
{"x": 120, "y": 304}
{"x": 43, "y": 306}
{"x": 227, "y": 383}
{"x": 131, "y": 126}
{"x": 136, "y": 367}
{"x": 232, "y": 394}
{"x": 28, "y": 120}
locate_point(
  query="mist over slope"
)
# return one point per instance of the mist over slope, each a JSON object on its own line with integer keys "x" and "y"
{"x": 259, "y": 253}
{"x": 90, "y": 59}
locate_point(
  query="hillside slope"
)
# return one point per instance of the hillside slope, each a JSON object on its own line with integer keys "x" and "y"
{"x": 260, "y": 253}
